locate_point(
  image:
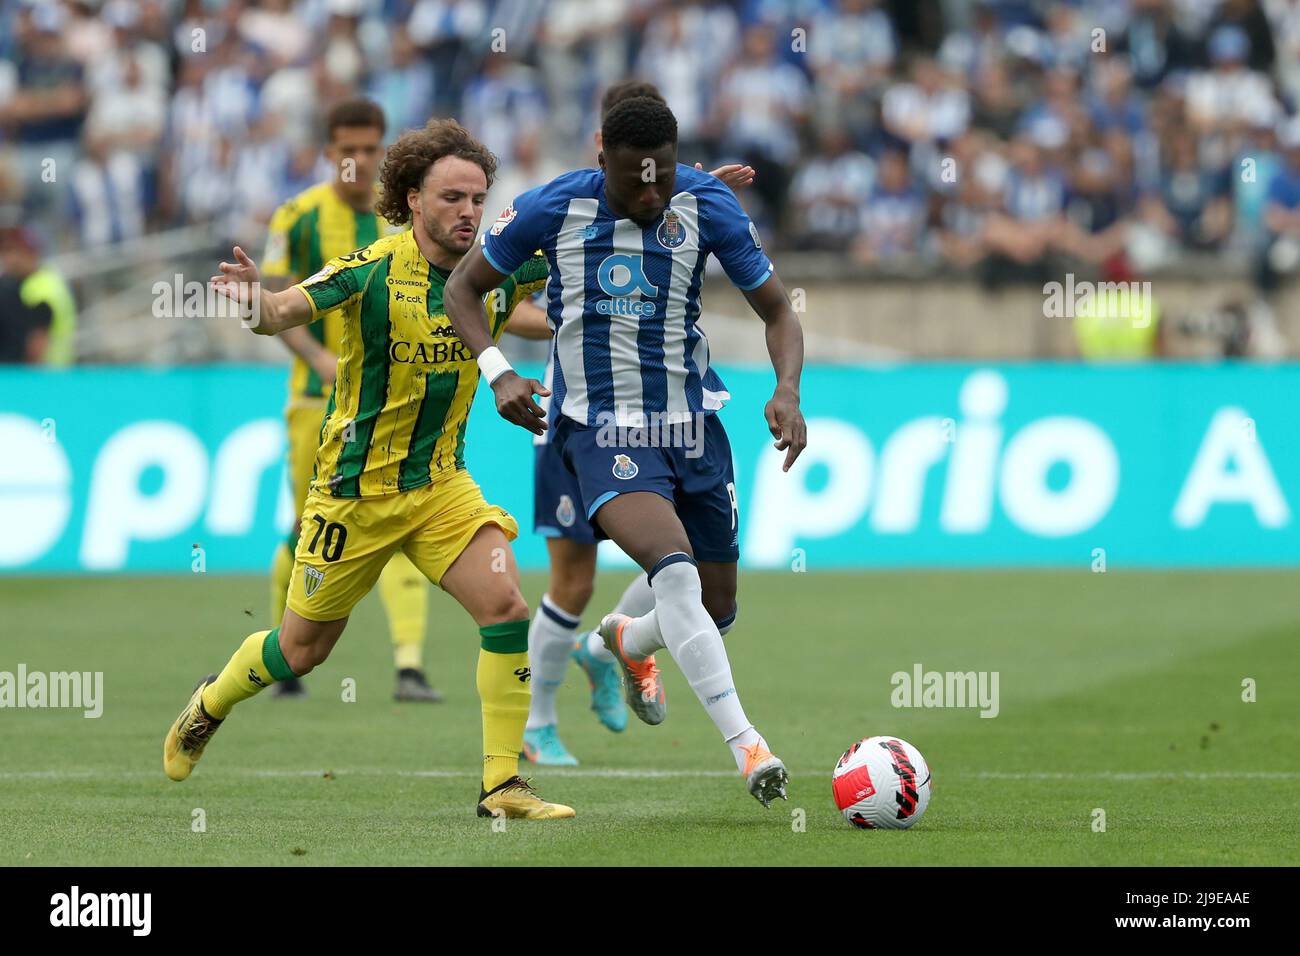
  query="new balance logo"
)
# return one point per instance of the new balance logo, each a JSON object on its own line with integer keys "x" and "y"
{"x": 252, "y": 676}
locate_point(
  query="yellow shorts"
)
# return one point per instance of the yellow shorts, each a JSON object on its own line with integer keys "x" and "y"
{"x": 345, "y": 542}
{"x": 303, "y": 420}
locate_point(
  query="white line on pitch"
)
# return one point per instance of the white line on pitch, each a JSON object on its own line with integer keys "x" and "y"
{"x": 643, "y": 773}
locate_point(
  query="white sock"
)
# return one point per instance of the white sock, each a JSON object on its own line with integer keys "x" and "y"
{"x": 550, "y": 641}
{"x": 642, "y": 636}
{"x": 693, "y": 640}
{"x": 637, "y": 600}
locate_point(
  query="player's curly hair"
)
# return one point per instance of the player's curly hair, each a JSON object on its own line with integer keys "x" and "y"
{"x": 641, "y": 122}
{"x": 410, "y": 157}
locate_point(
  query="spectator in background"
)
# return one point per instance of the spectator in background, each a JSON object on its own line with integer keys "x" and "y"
{"x": 762, "y": 106}
{"x": 1252, "y": 172}
{"x": 1249, "y": 17}
{"x": 973, "y": 50}
{"x": 997, "y": 108}
{"x": 1281, "y": 254}
{"x": 893, "y": 218}
{"x": 405, "y": 90}
{"x": 504, "y": 102}
{"x": 1220, "y": 99}
{"x": 829, "y": 192}
{"x": 1030, "y": 223}
{"x": 121, "y": 140}
{"x": 932, "y": 107}
{"x": 38, "y": 317}
{"x": 1192, "y": 204}
{"x": 852, "y": 48}
{"x": 1156, "y": 46}
{"x": 682, "y": 54}
{"x": 45, "y": 113}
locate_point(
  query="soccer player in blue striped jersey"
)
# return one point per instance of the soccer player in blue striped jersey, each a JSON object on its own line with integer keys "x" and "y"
{"x": 558, "y": 515}
{"x": 635, "y": 399}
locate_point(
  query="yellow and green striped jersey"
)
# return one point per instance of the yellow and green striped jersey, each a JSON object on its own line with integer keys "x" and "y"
{"x": 405, "y": 384}
{"x": 305, "y": 233}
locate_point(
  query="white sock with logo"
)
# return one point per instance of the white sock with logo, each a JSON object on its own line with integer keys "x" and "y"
{"x": 638, "y": 600}
{"x": 693, "y": 640}
{"x": 550, "y": 641}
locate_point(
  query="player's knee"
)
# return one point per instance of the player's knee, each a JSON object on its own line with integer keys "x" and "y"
{"x": 721, "y": 604}
{"x": 508, "y": 605}
{"x": 306, "y": 644}
{"x": 304, "y": 658}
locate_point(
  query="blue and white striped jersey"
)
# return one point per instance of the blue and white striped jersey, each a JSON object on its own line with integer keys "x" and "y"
{"x": 622, "y": 300}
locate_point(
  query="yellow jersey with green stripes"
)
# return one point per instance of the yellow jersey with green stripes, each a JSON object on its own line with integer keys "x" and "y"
{"x": 305, "y": 233}
{"x": 397, "y": 417}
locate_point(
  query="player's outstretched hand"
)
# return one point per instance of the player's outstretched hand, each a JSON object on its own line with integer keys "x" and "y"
{"x": 733, "y": 175}
{"x": 785, "y": 422}
{"x": 239, "y": 280}
{"x": 515, "y": 401}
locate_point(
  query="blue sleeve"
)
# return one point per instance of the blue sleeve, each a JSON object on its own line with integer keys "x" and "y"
{"x": 518, "y": 232}
{"x": 732, "y": 236}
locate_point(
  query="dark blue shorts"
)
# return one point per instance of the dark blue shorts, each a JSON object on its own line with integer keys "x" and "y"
{"x": 557, "y": 502}
{"x": 700, "y": 482}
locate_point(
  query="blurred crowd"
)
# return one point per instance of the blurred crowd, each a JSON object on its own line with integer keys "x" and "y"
{"x": 1003, "y": 136}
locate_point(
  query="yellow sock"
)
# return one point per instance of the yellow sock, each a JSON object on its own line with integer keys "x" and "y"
{"x": 257, "y": 664}
{"x": 405, "y": 593}
{"x": 504, "y": 693}
{"x": 281, "y": 569}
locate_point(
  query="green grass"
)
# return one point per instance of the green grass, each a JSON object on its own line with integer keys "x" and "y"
{"x": 1119, "y": 691}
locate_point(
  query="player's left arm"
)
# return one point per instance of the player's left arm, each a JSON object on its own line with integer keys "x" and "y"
{"x": 785, "y": 346}
{"x": 729, "y": 234}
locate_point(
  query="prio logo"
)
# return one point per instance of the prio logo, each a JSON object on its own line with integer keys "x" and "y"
{"x": 620, "y": 275}
{"x": 35, "y": 490}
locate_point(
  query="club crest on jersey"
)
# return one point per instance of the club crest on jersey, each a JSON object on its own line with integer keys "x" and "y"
{"x": 506, "y": 218}
{"x": 671, "y": 233}
{"x": 625, "y": 467}
{"x": 312, "y": 580}
{"x": 565, "y": 513}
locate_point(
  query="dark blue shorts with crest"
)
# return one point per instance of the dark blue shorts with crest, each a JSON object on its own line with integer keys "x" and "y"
{"x": 694, "y": 472}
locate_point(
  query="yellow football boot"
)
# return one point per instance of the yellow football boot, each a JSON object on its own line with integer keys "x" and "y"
{"x": 517, "y": 800}
{"x": 189, "y": 734}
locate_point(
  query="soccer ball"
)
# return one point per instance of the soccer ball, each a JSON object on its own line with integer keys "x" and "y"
{"x": 882, "y": 783}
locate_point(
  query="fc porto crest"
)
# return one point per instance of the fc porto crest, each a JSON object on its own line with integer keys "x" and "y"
{"x": 671, "y": 233}
{"x": 311, "y": 580}
{"x": 625, "y": 467}
{"x": 565, "y": 513}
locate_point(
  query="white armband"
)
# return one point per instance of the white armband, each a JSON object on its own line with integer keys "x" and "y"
{"x": 493, "y": 364}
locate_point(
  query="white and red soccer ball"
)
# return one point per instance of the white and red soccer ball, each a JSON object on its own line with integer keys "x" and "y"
{"x": 882, "y": 783}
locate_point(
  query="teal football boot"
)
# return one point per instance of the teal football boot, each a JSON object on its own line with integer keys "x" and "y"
{"x": 606, "y": 687}
{"x": 543, "y": 746}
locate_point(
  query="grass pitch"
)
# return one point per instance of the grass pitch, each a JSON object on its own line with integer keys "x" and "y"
{"x": 1118, "y": 691}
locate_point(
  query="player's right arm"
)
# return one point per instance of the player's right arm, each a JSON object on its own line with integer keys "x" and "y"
{"x": 284, "y": 263}
{"x": 472, "y": 279}
{"x": 513, "y": 239}
{"x": 269, "y": 312}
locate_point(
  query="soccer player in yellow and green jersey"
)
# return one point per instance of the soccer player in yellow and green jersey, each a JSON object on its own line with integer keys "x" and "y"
{"x": 390, "y": 471}
{"x": 329, "y": 220}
